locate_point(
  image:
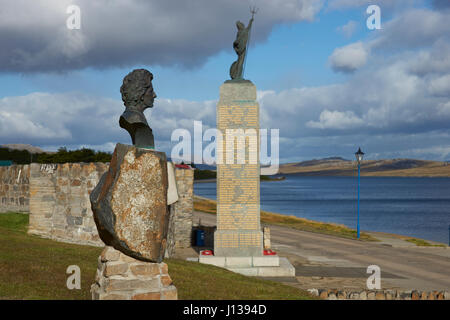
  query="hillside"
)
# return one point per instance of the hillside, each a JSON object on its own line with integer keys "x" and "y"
{"x": 26, "y": 147}
{"x": 392, "y": 167}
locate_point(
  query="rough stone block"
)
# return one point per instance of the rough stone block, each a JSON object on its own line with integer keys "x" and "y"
{"x": 380, "y": 296}
{"x": 110, "y": 254}
{"x": 133, "y": 194}
{"x": 166, "y": 280}
{"x": 332, "y": 296}
{"x": 114, "y": 268}
{"x": 354, "y": 296}
{"x": 164, "y": 268}
{"x": 148, "y": 270}
{"x": 117, "y": 283}
{"x": 114, "y": 296}
{"x": 147, "y": 296}
{"x": 169, "y": 293}
{"x": 314, "y": 292}
{"x": 323, "y": 294}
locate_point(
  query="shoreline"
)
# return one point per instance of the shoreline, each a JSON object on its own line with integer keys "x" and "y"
{"x": 366, "y": 235}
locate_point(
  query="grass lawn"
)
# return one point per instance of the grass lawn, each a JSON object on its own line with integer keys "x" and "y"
{"x": 35, "y": 268}
{"x": 423, "y": 243}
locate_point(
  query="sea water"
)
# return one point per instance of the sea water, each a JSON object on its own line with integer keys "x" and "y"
{"x": 417, "y": 207}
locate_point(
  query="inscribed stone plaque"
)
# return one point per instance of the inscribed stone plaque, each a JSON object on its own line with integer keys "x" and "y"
{"x": 238, "y": 207}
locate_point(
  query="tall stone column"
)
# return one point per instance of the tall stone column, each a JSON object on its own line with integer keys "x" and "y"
{"x": 238, "y": 196}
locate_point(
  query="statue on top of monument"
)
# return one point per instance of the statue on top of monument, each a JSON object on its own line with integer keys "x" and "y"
{"x": 137, "y": 95}
{"x": 240, "y": 47}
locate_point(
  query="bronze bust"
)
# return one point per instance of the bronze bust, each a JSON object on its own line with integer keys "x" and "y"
{"x": 138, "y": 95}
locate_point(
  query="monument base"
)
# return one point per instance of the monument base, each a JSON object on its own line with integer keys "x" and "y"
{"x": 241, "y": 243}
{"x": 256, "y": 266}
{"x": 120, "y": 277}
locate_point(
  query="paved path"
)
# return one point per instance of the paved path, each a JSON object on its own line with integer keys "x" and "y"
{"x": 329, "y": 261}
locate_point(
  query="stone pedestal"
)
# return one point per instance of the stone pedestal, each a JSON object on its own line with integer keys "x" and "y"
{"x": 120, "y": 277}
{"x": 130, "y": 203}
{"x": 238, "y": 209}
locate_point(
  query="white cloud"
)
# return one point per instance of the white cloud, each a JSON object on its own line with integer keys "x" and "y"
{"x": 396, "y": 105}
{"x": 77, "y": 120}
{"x": 440, "y": 86}
{"x": 415, "y": 28}
{"x": 388, "y": 4}
{"x": 349, "y": 58}
{"x": 35, "y": 38}
{"x": 348, "y": 29}
{"x": 336, "y": 120}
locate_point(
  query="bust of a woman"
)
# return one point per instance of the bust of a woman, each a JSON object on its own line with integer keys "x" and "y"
{"x": 137, "y": 95}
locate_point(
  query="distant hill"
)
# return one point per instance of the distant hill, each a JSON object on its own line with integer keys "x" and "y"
{"x": 26, "y": 147}
{"x": 322, "y": 162}
{"x": 393, "y": 167}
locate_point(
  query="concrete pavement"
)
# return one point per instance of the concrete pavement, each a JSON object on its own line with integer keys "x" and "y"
{"x": 324, "y": 261}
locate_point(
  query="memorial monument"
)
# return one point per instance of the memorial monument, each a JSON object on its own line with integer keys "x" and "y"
{"x": 130, "y": 207}
{"x": 238, "y": 240}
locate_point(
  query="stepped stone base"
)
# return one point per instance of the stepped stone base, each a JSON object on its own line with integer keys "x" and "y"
{"x": 257, "y": 266}
{"x": 120, "y": 277}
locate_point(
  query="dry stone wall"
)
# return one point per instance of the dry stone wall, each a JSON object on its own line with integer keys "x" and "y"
{"x": 60, "y": 208}
{"x": 57, "y": 198}
{"x": 349, "y": 294}
{"x": 180, "y": 224}
{"x": 14, "y": 188}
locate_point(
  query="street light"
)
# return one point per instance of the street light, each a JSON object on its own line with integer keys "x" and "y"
{"x": 359, "y": 157}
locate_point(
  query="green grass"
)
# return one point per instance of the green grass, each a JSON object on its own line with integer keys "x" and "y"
{"x": 35, "y": 268}
{"x": 204, "y": 282}
{"x": 423, "y": 243}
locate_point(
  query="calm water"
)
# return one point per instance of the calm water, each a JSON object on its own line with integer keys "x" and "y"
{"x": 418, "y": 207}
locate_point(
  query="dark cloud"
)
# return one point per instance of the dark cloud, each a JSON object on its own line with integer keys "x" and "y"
{"x": 441, "y": 4}
{"x": 393, "y": 105}
{"x": 35, "y": 38}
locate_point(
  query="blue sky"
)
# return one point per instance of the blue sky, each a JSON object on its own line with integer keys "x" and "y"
{"x": 295, "y": 54}
{"x": 326, "y": 81}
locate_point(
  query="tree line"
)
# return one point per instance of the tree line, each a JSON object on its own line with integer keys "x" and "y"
{"x": 61, "y": 156}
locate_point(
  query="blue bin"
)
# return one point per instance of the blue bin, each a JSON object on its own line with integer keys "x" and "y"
{"x": 200, "y": 238}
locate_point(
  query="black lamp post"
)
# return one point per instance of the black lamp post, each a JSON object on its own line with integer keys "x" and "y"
{"x": 359, "y": 157}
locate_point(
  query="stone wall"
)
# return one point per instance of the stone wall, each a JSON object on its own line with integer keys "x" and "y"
{"x": 349, "y": 294}
{"x": 180, "y": 225}
{"x": 60, "y": 208}
{"x": 14, "y": 188}
{"x": 57, "y": 198}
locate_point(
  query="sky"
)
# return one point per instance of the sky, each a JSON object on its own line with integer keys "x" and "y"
{"x": 324, "y": 79}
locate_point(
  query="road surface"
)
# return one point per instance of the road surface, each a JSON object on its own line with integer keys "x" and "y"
{"x": 324, "y": 261}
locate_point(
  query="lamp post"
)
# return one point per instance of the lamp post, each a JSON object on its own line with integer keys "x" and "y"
{"x": 359, "y": 157}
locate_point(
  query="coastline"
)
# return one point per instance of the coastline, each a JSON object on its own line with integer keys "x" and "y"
{"x": 208, "y": 205}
